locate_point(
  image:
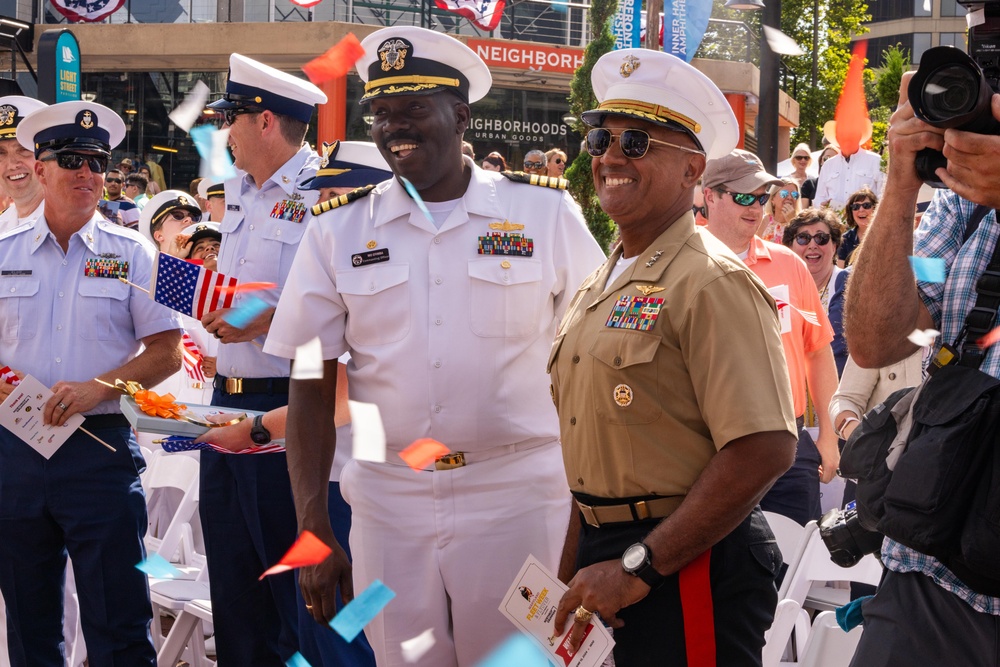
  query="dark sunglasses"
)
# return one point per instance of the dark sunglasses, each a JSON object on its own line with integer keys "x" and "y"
{"x": 533, "y": 165}
{"x": 179, "y": 214}
{"x": 785, "y": 193}
{"x": 229, "y": 115}
{"x": 558, "y": 160}
{"x": 97, "y": 163}
{"x": 634, "y": 143}
{"x": 821, "y": 238}
{"x": 863, "y": 205}
{"x": 745, "y": 199}
{"x": 801, "y": 157}
{"x": 703, "y": 210}
{"x": 113, "y": 180}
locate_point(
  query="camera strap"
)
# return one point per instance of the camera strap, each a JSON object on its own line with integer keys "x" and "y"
{"x": 981, "y": 319}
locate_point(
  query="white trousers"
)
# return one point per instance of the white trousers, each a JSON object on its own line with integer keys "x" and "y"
{"x": 450, "y": 543}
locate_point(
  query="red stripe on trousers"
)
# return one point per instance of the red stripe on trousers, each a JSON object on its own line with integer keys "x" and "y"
{"x": 696, "y": 604}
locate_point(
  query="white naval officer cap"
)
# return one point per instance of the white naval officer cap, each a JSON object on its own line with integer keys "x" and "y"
{"x": 209, "y": 187}
{"x": 349, "y": 164}
{"x": 71, "y": 126}
{"x": 13, "y": 109}
{"x": 407, "y": 60}
{"x": 663, "y": 89}
{"x": 163, "y": 203}
{"x": 254, "y": 84}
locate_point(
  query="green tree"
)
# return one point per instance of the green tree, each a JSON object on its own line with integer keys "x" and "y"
{"x": 896, "y": 60}
{"x": 581, "y": 98}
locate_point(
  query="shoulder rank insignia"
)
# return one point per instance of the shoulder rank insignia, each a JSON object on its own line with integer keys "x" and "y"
{"x": 342, "y": 200}
{"x": 553, "y": 182}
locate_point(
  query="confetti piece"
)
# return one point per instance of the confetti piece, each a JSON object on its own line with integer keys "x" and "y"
{"x": 416, "y": 197}
{"x": 359, "y": 612}
{"x": 297, "y": 661}
{"x": 923, "y": 337}
{"x": 187, "y": 112}
{"x": 414, "y": 649}
{"x": 928, "y": 269}
{"x": 245, "y": 313}
{"x": 213, "y": 147}
{"x": 244, "y": 287}
{"x": 367, "y": 431}
{"x": 990, "y": 339}
{"x": 336, "y": 62}
{"x": 307, "y": 550}
{"x": 807, "y": 315}
{"x": 308, "y": 364}
{"x": 422, "y": 453}
{"x": 781, "y": 43}
{"x": 518, "y": 650}
{"x": 157, "y": 566}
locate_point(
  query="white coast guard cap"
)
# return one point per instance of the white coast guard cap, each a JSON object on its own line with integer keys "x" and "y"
{"x": 71, "y": 126}
{"x": 13, "y": 109}
{"x": 254, "y": 84}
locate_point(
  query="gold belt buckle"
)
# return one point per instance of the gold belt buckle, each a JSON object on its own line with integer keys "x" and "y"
{"x": 234, "y": 385}
{"x": 450, "y": 461}
{"x": 589, "y": 515}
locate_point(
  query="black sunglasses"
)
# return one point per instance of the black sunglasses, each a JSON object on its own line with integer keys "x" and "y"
{"x": 533, "y": 165}
{"x": 97, "y": 163}
{"x": 801, "y": 157}
{"x": 634, "y": 143}
{"x": 229, "y": 115}
{"x": 745, "y": 199}
{"x": 112, "y": 180}
{"x": 863, "y": 205}
{"x": 821, "y": 238}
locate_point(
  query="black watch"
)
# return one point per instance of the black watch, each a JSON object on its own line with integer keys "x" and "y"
{"x": 638, "y": 561}
{"x": 258, "y": 433}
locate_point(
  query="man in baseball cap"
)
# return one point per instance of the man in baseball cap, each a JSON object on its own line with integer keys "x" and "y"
{"x": 672, "y": 425}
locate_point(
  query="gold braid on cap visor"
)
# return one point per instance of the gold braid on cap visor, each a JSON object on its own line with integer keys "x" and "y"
{"x": 331, "y": 172}
{"x": 653, "y": 112}
{"x": 416, "y": 82}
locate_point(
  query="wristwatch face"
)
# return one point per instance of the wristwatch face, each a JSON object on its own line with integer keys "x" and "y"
{"x": 634, "y": 557}
{"x": 258, "y": 433}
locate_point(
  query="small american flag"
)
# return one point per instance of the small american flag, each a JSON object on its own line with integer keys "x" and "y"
{"x": 192, "y": 358}
{"x": 9, "y": 376}
{"x": 190, "y": 289}
{"x": 180, "y": 443}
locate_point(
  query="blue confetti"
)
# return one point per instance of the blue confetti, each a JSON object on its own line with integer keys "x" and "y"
{"x": 157, "y": 566}
{"x": 359, "y": 612}
{"x": 928, "y": 269}
{"x": 212, "y": 147}
{"x": 245, "y": 313}
{"x": 416, "y": 197}
{"x": 518, "y": 650}
{"x": 297, "y": 661}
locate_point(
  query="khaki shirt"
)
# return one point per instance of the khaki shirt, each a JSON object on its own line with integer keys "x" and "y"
{"x": 644, "y": 406}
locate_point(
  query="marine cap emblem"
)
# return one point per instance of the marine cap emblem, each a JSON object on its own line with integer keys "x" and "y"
{"x": 630, "y": 65}
{"x": 7, "y": 114}
{"x": 623, "y": 395}
{"x": 87, "y": 120}
{"x": 392, "y": 53}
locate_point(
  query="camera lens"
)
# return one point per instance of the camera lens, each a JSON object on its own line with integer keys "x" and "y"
{"x": 950, "y": 91}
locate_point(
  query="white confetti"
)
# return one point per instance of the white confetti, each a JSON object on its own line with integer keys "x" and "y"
{"x": 781, "y": 43}
{"x": 187, "y": 112}
{"x": 923, "y": 337}
{"x": 368, "y": 432}
{"x": 308, "y": 364}
{"x": 414, "y": 649}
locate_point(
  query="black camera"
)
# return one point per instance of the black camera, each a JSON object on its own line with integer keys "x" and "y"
{"x": 953, "y": 90}
{"x": 845, "y": 538}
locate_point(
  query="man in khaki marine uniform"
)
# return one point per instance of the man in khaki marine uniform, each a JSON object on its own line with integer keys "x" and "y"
{"x": 674, "y": 403}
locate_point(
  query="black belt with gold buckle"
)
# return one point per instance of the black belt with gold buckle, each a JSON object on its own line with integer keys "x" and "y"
{"x": 234, "y": 386}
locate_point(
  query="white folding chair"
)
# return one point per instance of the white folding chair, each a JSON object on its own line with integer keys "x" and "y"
{"x": 173, "y": 474}
{"x": 807, "y": 585}
{"x": 829, "y": 645}
{"x": 776, "y": 638}
{"x": 792, "y": 538}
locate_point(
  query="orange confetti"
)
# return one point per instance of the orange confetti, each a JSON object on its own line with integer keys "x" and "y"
{"x": 336, "y": 62}
{"x": 422, "y": 453}
{"x": 155, "y": 405}
{"x": 244, "y": 287}
{"x": 307, "y": 550}
{"x": 852, "y": 109}
{"x": 990, "y": 339}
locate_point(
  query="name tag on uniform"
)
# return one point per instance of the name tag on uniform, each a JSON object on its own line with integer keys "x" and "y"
{"x": 635, "y": 312}
{"x": 288, "y": 209}
{"x": 372, "y": 257}
{"x": 16, "y": 272}
{"x": 233, "y": 207}
{"x": 502, "y": 243}
{"x": 106, "y": 268}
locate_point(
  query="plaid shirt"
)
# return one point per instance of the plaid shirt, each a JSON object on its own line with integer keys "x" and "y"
{"x": 940, "y": 235}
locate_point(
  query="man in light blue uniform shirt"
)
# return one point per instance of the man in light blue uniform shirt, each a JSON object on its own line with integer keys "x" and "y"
{"x": 246, "y": 501}
{"x": 67, "y": 320}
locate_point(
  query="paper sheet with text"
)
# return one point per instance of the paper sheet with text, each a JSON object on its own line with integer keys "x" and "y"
{"x": 21, "y": 414}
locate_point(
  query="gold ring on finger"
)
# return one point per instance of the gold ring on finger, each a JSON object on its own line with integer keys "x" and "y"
{"x": 583, "y": 615}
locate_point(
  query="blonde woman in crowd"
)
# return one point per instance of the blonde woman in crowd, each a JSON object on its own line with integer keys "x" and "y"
{"x": 781, "y": 207}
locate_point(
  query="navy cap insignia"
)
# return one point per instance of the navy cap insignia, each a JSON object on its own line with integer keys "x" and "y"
{"x": 87, "y": 120}
{"x": 328, "y": 151}
{"x": 183, "y": 201}
{"x": 7, "y": 114}
{"x": 392, "y": 53}
{"x": 630, "y": 65}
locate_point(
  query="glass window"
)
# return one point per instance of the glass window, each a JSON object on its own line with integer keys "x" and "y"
{"x": 921, "y": 42}
{"x": 922, "y": 8}
{"x": 951, "y": 8}
{"x": 956, "y": 39}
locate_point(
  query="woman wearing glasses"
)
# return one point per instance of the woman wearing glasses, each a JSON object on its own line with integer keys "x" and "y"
{"x": 801, "y": 159}
{"x": 860, "y": 212}
{"x": 556, "y": 164}
{"x": 781, "y": 207}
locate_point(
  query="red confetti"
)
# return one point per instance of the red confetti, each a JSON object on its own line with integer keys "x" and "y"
{"x": 336, "y": 62}
{"x": 990, "y": 339}
{"x": 422, "y": 453}
{"x": 852, "y": 109}
{"x": 307, "y": 550}
{"x": 244, "y": 287}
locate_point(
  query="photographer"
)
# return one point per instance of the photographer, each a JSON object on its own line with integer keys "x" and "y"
{"x": 923, "y": 613}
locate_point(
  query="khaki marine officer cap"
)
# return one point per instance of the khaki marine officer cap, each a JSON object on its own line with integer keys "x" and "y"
{"x": 406, "y": 60}
{"x": 13, "y": 109}
{"x": 664, "y": 90}
{"x": 740, "y": 171}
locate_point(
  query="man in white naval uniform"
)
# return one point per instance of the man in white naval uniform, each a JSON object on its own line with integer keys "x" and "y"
{"x": 17, "y": 165}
